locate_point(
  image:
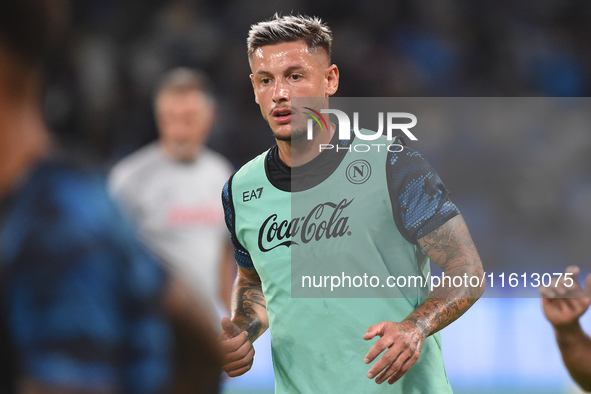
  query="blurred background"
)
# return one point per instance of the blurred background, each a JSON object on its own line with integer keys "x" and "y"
{"x": 524, "y": 195}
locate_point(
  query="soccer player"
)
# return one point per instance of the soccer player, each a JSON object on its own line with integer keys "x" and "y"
{"x": 564, "y": 303}
{"x": 399, "y": 218}
{"x": 170, "y": 189}
{"x": 83, "y": 307}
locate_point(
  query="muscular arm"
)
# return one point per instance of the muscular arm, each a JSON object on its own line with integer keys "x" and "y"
{"x": 248, "y": 321}
{"x": 451, "y": 248}
{"x": 249, "y": 309}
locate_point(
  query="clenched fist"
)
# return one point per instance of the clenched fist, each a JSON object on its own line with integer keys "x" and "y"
{"x": 237, "y": 350}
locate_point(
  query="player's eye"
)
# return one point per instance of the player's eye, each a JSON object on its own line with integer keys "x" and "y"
{"x": 265, "y": 81}
{"x": 295, "y": 77}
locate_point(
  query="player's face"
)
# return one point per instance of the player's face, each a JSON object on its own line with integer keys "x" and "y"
{"x": 286, "y": 70}
{"x": 184, "y": 120}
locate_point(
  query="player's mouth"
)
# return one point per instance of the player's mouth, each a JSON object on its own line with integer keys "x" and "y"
{"x": 282, "y": 115}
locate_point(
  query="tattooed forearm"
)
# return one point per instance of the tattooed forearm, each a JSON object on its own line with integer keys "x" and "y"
{"x": 249, "y": 307}
{"x": 452, "y": 249}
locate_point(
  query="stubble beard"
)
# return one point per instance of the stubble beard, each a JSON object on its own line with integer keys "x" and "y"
{"x": 295, "y": 135}
{"x": 298, "y": 132}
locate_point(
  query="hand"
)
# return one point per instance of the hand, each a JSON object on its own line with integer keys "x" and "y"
{"x": 237, "y": 350}
{"x": 403, "y": 341}
{"x": 564, "y": 312}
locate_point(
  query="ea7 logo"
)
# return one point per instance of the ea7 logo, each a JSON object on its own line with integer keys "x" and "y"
{"x": 345, "y": 124}
{"x": 252, "y": 195}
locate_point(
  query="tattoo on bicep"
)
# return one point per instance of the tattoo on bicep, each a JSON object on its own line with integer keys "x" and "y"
{"x": 451, "y": 248}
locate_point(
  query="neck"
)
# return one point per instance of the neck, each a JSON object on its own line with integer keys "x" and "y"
{"x": 304, "y": 150}
{"x": 23, "y": 139}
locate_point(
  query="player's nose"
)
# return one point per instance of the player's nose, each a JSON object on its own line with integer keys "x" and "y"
{"x": 280, "y": 92}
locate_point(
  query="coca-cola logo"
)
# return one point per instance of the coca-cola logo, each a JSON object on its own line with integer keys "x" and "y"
{"x": 325, "y": 221}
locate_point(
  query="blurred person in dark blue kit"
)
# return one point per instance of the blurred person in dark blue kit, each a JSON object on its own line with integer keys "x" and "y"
{"x": 83, "y": 307}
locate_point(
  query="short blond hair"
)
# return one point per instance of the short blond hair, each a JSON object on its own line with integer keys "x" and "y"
{"x": 312, "y": 30}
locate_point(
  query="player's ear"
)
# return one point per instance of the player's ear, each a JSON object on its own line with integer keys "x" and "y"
{"x": 256, "y": 100}
{"x": 332, "y": 79}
